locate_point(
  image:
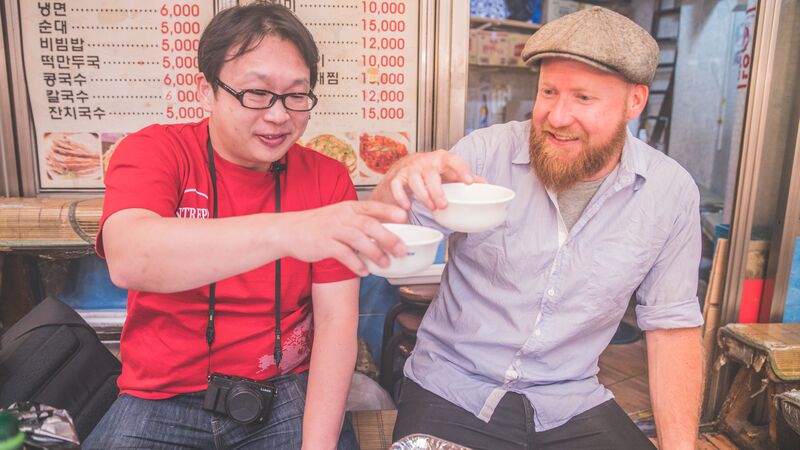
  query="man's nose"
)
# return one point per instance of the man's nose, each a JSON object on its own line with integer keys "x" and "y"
{"x": 276, "y": 113}
{"x": 560, "y": 115}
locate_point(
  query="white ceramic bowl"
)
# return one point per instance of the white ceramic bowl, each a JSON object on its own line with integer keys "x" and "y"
{"x": 421, "y": 244}
{"x": 475, "y": 207}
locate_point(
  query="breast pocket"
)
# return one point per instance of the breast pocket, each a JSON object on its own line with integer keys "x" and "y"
{"x": 483, "y": 248}
{"x": 483, "y": 251}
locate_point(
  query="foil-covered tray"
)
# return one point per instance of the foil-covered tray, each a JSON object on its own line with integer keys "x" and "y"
{"x": 45, "y": 427}
{"x": 425, "y": 442}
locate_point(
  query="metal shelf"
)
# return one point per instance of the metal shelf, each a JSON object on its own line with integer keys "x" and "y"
{"x": 502, "y": 67}
{"x": 483, "y": 23}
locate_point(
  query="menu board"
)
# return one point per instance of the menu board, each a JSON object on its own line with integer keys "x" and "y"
{"x": 97, "y": 70}
{"x": 368, "y": 82}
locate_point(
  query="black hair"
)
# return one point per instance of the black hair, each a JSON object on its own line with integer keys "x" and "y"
{"x": 245, "y": 27}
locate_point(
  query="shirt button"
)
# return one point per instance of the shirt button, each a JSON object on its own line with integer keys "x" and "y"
{"x": 517, "y": 361}
{"x": 551, "y": 292}
{"x": 537, "y": 332}
{"x": 511, "y": 375}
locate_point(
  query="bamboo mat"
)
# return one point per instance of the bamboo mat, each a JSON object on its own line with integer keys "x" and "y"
{"x": 60, "y": 224}
{"x": 374, "y": 428}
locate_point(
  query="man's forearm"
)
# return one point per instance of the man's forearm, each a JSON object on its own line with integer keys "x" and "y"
{"x": 158, "y": 254}
{"x": 676, "y": 378}
{"x": 332, "y": 363}
{"x": 382, "y": 193}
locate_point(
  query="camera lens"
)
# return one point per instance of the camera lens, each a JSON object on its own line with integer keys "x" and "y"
{"x": 244, "y": 404}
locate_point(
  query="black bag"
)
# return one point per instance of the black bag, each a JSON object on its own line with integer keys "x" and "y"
{"x": 52, "y": 356}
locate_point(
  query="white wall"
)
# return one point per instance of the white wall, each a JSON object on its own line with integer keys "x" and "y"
{"x": 703, "y": 86}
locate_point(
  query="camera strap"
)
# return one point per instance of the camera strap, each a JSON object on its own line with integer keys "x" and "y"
{"x": 276, "y": 168}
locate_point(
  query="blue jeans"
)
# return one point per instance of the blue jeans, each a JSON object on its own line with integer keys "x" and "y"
{"x": 181, "y": 422}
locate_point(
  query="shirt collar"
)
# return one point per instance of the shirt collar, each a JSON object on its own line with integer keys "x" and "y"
{"x": 521, "y": 155}
{"x": 632, "y": 161}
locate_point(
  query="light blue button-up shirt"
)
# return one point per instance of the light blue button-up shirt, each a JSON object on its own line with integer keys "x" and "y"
{"x": 529, "y": 306}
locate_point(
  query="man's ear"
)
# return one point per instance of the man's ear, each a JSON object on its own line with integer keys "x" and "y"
{"x": 637, "y": 99}
{"x": 205, "y": 93}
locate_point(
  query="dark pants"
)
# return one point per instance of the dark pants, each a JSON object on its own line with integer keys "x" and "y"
{"x": 605, "y": 426}
{"x": 180, "y": 422}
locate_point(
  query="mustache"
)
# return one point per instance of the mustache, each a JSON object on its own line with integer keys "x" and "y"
{"x": 564, "y": 131}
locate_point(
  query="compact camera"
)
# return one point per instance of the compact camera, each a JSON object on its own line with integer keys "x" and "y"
{"x": 241, "y": 399}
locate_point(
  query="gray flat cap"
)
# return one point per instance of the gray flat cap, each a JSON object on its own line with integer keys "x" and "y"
{"x": 600, "y": 38}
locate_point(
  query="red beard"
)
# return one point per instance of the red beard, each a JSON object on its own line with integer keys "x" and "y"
{"x": 559, "y": 175}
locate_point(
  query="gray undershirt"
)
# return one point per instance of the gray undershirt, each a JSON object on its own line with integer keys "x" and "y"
{"x": 573, "y": 201}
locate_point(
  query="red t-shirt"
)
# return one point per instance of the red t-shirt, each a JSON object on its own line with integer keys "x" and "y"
{"x": 163, "y": 168}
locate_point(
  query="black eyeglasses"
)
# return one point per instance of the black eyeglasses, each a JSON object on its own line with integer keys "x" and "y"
{"x": 263, "y": 99}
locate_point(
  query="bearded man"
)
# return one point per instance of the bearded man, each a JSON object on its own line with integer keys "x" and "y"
{"x": 507, "y": 354}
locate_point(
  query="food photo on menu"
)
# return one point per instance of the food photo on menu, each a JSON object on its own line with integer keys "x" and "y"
{"x": 380, "y": 151}
{"x": 336, "y": 148}
{"x": 71, "y": 156}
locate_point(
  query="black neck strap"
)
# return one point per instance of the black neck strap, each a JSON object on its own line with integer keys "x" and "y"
{"x": 276, "y": 168}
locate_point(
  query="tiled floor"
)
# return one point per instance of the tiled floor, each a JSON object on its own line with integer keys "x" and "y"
{"x": 714, "y": 441}
{"x": 623, "y": 369}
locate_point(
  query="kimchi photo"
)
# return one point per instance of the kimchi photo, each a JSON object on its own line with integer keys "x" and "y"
{"x": 379, "y": 152}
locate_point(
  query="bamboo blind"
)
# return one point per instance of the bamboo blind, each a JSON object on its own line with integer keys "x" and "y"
{"x": 49, "y": 223}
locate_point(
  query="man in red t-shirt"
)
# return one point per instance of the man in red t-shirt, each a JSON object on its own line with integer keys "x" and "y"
{"x": 224, "y": 228}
